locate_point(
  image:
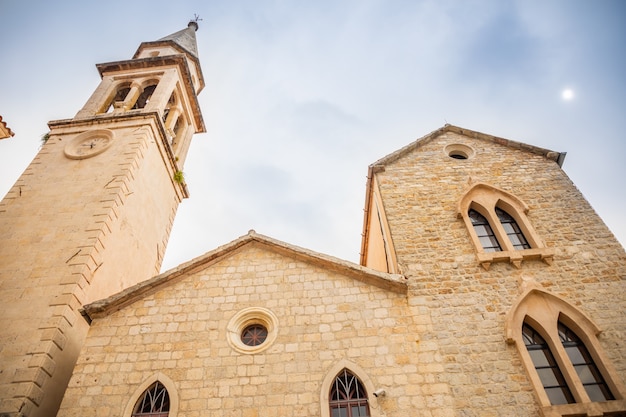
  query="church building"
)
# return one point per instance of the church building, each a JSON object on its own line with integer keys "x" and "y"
{"x": 487, "y": 284}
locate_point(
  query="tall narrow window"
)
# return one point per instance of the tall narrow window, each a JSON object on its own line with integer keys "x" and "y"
{"x": 155, "y": 402}
{"x": 144, "y": 97}
{"x": 348, "y": 397}
{"x": 512, "y": 230}
{"x": 548, "y": 370}
{"x": 587, "y": 371}
{"x": 484, "y": 232}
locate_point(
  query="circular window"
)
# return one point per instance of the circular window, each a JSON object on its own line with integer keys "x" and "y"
{"x": 458, "y": 155}
{"x": 252, "y": 330}
{"x": 459, "y": 151}
{"x": 254, "y": 335}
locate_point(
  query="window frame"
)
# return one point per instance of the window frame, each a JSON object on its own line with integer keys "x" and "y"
{"x": 162, "y": 393}
{"x": 361, "y": 375}
{"x": 169, "y": 385}
{"x": 350, "y": 402}
{"x": 543, "y": 311}
{"x": 484, "y": 199}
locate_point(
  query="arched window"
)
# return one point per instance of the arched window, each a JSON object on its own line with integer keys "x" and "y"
{"x": 120, "y": 95}
{"x": 144, "y": 97}
{"x": 498, "y": 227}
{"x": 563, "y": 357}
{"x": 484, "y": 232}
{"x": 583, "y": 363}
{"x": 512, "y": 230}
{"x": 348, "y": 397}
{"x": 548, "y": 370}
{"x": 155, "y": 402}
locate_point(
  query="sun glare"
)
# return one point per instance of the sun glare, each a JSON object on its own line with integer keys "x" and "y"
{"x": 567, "y": 94}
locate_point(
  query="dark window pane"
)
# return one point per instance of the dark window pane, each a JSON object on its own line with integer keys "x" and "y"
{"x": 585, "y": 374}
{"x": 575, "y": 355}
{"x": 482, "y": 230}
{"x": 596, "y": 393}
{"x": 508, "y": 228}
{"x": 548, "y": 379}
{"x": 340, "y": 412}
{"x": 539, "y": 358}
{"x": 557, "y": 396}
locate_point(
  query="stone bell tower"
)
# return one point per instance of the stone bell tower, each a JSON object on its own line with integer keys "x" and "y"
{"x": 92, "y": 214}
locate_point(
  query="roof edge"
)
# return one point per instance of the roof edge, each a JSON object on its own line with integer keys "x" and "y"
{"x": 557, "y": 157}
{"x": 379, "y": 165}
{"x": 393, "y": 282}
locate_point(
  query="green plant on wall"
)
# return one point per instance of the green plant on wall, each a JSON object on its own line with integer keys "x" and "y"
{"x": 44, "y": 138}
{"x": 179, "y": 177}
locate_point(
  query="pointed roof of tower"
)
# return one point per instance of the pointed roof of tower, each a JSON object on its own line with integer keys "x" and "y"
{"x": 184, "y": 39}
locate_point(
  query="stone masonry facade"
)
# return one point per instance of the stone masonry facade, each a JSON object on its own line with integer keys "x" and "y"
{"x": 438, "y": 347}
{"x": 467, "y": 304}
{"x": 323, "y": 317}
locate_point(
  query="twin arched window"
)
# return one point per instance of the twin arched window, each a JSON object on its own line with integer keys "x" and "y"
{"x": 499, "y": 228}
{"x": 552, "y": 379}
{"x": 487, "y": 237}
{"x": 562, "y": 355}
{"x": 348, "y": 397}
{"x": 130, "y": 97}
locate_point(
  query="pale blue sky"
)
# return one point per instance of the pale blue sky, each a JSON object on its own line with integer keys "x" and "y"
{"x": 302, "y": 96}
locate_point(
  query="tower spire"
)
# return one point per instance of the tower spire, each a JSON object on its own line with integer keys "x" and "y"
{"x": 185, "y": 39}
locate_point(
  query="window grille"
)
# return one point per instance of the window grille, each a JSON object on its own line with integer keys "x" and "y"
{"x": 348, "y": 397}
{"x": 155, "y": 402}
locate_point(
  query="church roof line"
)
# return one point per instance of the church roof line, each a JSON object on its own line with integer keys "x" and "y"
{"x": 392, "y": 282}
{"x": 379, "y": 165}
{"x": 557, "y": 157}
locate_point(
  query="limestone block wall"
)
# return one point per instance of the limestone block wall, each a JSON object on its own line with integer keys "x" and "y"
{"x": 324, "y": 319}
{"x": 73, "y": 231}
{"x": 468, "y": 304}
